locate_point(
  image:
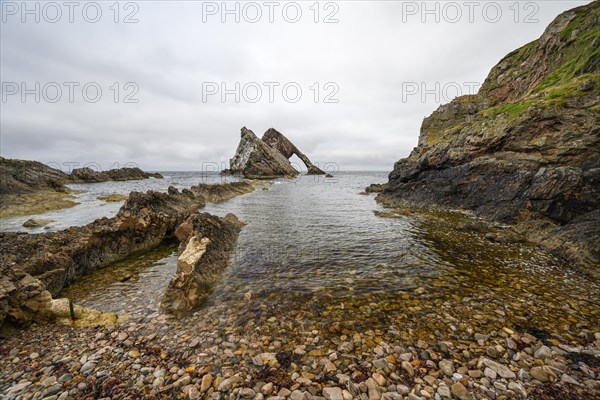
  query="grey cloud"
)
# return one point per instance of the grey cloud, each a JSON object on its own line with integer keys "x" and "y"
{"x": 170, "y": 53}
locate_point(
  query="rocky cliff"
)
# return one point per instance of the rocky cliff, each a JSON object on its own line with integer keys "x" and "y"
{"x": 267, "y": 158}
{"x": 21, "y": 176}
{"x": 525, "y": 150}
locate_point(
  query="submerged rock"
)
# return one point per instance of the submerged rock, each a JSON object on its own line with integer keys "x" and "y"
{"x": 524, "y": 150}
{"x": 37, "y": 223}
{"x": 113, "y": 198}
{"x": 267, "y": 158}
{"x": 61, "y": 311}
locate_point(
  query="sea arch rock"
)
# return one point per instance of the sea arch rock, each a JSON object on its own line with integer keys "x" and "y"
{"x": 267, "y": 158}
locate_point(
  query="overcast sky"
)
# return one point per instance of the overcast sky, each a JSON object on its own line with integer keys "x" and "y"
{"x": 353, "y": 73}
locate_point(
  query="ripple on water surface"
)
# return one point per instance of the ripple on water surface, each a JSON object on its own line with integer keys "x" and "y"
{"x": 313, "y": 253}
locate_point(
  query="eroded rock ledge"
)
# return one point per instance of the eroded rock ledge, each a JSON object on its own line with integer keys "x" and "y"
{"x": 526, "y": 149}
{"x": 36, "y": 267}
{"x": 21, "y": 176}
{"x": 206, "y": 243}
{"x": 30, "y": 187}
{"x": 267, "y": 158}
{"x": 89, "y": 175}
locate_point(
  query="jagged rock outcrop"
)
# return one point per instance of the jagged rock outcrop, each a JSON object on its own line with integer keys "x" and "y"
{"x": 50, "y": 261}
{"x": 206, "y": 243}
{"x": 22, "y": 297}
{"x": 30, "y": 187}
{"x": 282, "y": 144}
{"x": 254, "y": 159}
{"x": 19, "y": 176}
{"x": 375, "y": 188}
{"x": 118, "y": 174}
{"x": 223, "y": 191}
{"x": 266, "y": 158}
{"x": 526, "y": 149}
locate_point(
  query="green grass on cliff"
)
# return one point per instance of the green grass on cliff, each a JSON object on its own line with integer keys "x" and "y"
{"x": 554, "y": 76}
{"x": 509, "y": 110}
{"x": 580, "y": 57}
{"x": 572, "y": 88}
{"x": 436, "y": 136}
{"x": 554, "y": 96}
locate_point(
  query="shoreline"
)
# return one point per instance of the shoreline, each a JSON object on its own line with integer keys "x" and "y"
{"x": 543, "y": 233}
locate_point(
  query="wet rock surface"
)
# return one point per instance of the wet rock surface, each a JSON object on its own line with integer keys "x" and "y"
{"x": 113, "y": 198}
{"x": 37, "y": 222}
{"x": 200, "y": 357}
{"x": 75, "y": 315}
{"x": 224, "y": 191}
{"x": 206, "y": 244}
{"x": 524, "y": 150}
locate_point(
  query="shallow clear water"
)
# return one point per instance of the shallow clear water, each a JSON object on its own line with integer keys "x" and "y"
{"x": 314, "y": 234}
{"x": 130, "y": 287}
{"x": 314, "y": 253}
{"x": 308, "y": 235}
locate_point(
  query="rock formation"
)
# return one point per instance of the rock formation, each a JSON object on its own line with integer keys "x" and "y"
{"x": 30, "y": 187}
{"x": 19, "y": 176}
{"x": 266, "y": 158}
{"x": 206, "y": 243}
{"x": 88, "y": 175}
{"x": 282, "y": 144}
{"x": 526, "y": 149}
{"x": 41, "y": 265}
{"x": 22, "y": 297}
{"x": 60, "y": 309}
